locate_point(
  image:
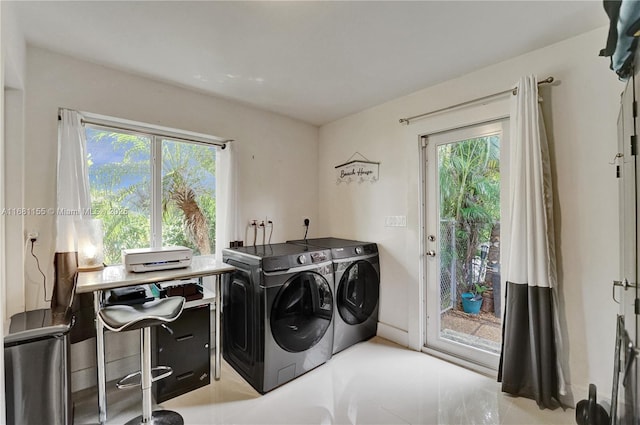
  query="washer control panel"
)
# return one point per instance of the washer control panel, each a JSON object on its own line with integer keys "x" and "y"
{"x": 286, "y": 262}
{"x": 319, "y": 256}
{"x": 367, "y": 248}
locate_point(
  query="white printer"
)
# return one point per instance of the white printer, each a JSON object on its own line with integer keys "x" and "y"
{"x": 154, "y": 259}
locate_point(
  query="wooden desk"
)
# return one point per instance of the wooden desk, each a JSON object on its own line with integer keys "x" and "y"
{"x": 117, "y": 277}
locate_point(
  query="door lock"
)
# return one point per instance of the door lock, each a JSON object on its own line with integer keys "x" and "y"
{"x": 431, "y": 238}
{"x": 431, "y": 253}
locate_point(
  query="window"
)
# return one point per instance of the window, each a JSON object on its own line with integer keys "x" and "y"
{"x": 151, "y": 190}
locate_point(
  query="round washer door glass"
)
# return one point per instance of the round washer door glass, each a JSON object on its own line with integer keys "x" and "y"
{"x": 302, "y": 312}
{"x": 358, "y": 291}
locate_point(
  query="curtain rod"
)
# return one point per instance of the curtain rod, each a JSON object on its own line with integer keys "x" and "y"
{"x": 177, "y": 135}
{"x": 513, "y": 91}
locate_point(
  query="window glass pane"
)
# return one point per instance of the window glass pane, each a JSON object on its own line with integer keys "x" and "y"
{"x": 119, "y": 179}
{"x": 188, "y": 195}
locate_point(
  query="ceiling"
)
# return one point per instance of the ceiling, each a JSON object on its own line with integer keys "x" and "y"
{"x": 315, "y": 61}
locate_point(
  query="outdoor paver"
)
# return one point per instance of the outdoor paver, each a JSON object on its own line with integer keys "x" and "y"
{"x": 484, "y": 325}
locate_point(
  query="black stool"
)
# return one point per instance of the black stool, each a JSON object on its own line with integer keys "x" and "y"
{"x": 119, "y": 318}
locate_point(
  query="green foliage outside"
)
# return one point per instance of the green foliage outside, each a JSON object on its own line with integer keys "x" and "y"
{"x": 120, "y": 184}
{"x": 469, "y": 174}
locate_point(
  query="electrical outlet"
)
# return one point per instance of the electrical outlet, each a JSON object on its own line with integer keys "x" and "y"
{"x": 32, "y": 235}
{"x": 306, "y": 221}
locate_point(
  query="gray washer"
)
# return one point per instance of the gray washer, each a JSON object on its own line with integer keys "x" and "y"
{"x": 277, "y": 312}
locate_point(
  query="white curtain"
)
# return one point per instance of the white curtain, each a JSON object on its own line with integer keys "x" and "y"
{"x": 73, "y": 179}
{"x": 530, "y": 365}
{"x": 226, "y": 201}
{"x": 73, "y": 202}
{"x": 532, "y": 254}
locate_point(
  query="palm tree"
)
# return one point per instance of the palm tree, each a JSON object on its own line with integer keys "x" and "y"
{"x": 195, "y": 222}
{"x": 469, "y": 195}
{"x": 181, "y": 185}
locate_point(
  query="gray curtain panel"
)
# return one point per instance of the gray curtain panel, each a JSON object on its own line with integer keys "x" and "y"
{"x": 528, "y": 361}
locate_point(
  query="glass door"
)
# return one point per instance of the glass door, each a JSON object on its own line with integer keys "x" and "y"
{"x": 358, "y": 292}
{"x": 462, "y": 244}
{"x": 302, "y": 312}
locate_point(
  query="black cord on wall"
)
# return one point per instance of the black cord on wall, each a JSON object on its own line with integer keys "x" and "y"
{"x": 44, "y": 278}
{"x": 306, "y": 225}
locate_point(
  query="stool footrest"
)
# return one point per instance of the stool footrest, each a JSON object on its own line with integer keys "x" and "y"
{"x": 165, "y": 371}
{"x": 121, "y": 384}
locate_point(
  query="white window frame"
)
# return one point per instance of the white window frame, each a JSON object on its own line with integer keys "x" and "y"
{"x": 156, "y": 135}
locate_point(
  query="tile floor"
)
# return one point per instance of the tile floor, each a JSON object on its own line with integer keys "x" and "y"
{"x": 375, "y": 382}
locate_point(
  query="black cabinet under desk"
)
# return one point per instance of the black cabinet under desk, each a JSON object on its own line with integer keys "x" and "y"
{"x": 186, "y": 351}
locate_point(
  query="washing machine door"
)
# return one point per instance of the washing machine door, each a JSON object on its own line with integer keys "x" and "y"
{"x": 357, "y": 293}
{"x": 302, "y": 312}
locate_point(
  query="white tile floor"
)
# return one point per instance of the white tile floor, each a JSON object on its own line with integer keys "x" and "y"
{"x": 376, "y": 382}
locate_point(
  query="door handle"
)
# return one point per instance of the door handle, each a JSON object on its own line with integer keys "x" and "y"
{"x": 623, "y": 284}
{"x": 431, "y": 253}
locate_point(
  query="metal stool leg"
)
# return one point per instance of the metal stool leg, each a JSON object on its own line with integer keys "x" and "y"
{"x": 145, "y": 367}
{"x": 159, "y": 417}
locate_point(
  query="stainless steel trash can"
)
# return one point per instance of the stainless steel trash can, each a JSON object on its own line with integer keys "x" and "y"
{"x": 37, "y": 372}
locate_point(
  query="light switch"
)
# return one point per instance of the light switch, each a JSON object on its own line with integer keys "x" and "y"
{"x": 395, "y": 221}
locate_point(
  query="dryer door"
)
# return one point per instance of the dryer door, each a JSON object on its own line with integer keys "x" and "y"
{"x": 358, "y": 292}
{"x": 302, "y": 312}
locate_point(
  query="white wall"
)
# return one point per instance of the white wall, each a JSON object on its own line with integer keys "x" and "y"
{"x": 15, "y": 249}
{"x": 12, "y": 72}
{"x": 14, "y": 66}
{"x": 3, "y": 263}
{"x": 277, "y": 156}
{"x": 580, "y": 111}
{"x": 14, "y": 60}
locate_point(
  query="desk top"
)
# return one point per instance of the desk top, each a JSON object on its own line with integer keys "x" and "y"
{"x": 116, "y": 276}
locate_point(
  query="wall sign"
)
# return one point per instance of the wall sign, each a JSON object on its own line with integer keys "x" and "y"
{"x": 360, "y": 170}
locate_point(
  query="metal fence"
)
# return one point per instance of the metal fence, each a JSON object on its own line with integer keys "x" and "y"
{"x": 447, "y": 265}
{"x": 449, "y": 278}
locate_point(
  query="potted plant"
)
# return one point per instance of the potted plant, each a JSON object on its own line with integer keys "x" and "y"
{"x": 472, "y": 300}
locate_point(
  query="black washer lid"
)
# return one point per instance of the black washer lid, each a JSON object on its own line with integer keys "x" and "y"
{"x": 340, "y": 248}
{"x": 283, "y": 256}
{"x": 328, "y": 242}
{"x": 274, "y": 250}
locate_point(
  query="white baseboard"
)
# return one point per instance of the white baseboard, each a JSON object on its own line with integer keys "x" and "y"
{"x": 399, "y": 336}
